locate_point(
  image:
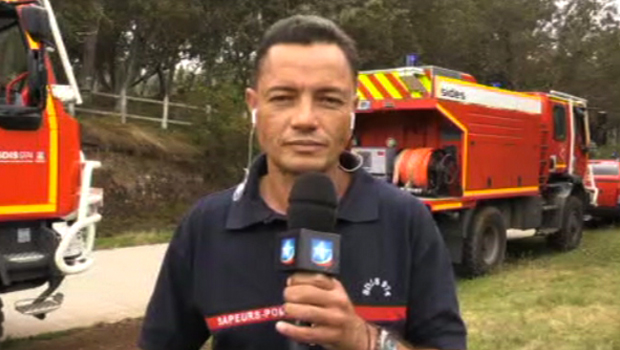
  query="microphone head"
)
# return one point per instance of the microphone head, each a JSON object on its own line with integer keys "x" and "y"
{"x": 312, "y": 203}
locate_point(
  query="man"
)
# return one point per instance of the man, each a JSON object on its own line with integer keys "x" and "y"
{"x": 219, "y": 277}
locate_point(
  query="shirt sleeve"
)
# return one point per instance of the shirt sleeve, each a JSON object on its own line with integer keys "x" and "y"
{"x": 433, "y": 319}
{"x": 172, "y": 321}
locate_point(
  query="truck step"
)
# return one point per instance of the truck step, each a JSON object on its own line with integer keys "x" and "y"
{"x": 28, "y": 257}
{"x": 548, "y": 231}
{"x": 39, "y": 308}
{"x": 550, "y": 207}
{"x": 26, "y": 260}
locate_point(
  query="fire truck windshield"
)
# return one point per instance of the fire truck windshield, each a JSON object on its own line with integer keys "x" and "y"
{"x": 13, "y": 61}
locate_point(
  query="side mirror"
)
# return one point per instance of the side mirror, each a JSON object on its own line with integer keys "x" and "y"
{"x": 36, "y": 22}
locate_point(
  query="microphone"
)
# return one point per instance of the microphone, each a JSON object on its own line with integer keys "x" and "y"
{"x": 310, "y": 243}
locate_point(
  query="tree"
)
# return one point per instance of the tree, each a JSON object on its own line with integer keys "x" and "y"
{"x": 522, "y": 44}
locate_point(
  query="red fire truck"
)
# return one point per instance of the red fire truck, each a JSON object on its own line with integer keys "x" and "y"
{"x": 490, "y": 164}
{"x": 48, "y": 210}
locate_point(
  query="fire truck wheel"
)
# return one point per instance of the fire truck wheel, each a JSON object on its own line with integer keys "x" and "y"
{"x": 484, "y": 247}
{"x": 569, "y": 236}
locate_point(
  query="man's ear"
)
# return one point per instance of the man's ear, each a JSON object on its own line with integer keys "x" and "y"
{"x": 354, "y": 109}
{"x": 251, "y": 99}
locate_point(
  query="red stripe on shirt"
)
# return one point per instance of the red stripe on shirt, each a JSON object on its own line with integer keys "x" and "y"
{"x": 275, "y": 313}
{"x": 381, "y": 313}
{"x": 242, "y": 318}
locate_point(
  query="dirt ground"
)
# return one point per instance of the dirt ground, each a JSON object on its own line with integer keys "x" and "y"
{"x": 116, "y": 336}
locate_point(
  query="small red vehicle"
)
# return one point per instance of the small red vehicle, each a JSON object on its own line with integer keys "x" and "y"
{"x": 607, "y": 177}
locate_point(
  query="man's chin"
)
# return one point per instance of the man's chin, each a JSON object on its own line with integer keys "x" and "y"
{"x": 300, "y": 165}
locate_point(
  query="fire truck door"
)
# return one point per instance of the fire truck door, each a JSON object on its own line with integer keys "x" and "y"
{"x": 561, "y": 145}
{"x": 579, "y": 140}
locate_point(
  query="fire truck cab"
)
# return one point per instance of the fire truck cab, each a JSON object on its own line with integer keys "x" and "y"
{"x": 48, "y": 209}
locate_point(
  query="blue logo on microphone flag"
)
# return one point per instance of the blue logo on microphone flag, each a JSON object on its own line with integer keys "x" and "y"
{"x": 322, "y": 252}
{"x": 287, "y": 255}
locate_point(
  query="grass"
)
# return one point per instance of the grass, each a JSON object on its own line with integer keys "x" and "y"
{"x": 543, "y": 300}
{"x": 133, "y": 239}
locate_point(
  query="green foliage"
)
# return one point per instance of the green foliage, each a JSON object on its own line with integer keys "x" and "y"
{"x": 385, "y": 32}
{"x": 606, "y": 151}
{"x": 222, "y": 135}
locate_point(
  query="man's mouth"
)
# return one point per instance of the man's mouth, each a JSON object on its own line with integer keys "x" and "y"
{"x": 305, "y": 145}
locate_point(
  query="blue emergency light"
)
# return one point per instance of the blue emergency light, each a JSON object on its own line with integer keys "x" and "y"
{"x": 411, "y": 60}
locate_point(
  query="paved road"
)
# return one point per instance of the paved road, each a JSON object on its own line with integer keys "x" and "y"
{"x": 118, "y": 286}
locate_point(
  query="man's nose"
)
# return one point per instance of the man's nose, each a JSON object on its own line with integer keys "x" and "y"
{"x": 305, "y": 116}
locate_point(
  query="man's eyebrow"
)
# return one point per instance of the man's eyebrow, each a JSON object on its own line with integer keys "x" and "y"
{"x": 281, "y": 88}
{"x": 324, "y": 90}
{"x": 332, "y": 90}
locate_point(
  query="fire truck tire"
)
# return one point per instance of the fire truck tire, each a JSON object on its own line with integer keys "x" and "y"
{"x": 484, "y": 247}
{"x": 570, "y": 234}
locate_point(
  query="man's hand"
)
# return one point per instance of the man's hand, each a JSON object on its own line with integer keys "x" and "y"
{"x": 323, "y": 302}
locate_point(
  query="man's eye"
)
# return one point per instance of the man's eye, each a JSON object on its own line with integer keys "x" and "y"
{"x": 281, "y": 98}
{"x": 332, "y": 101}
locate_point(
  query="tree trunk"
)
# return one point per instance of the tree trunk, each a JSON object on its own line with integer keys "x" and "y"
{"x": 162, "y": 82}
{"x": 170, "y": 79}
{"x": 102, "y": 81}
{"x": 87, "y": 76}
{"x": 131, "y": 67}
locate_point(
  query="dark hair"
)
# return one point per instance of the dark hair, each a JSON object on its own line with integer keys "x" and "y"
{"x": 306, "y": 30}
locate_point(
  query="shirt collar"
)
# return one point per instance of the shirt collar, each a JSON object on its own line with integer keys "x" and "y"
{"x": 359, "y": 204}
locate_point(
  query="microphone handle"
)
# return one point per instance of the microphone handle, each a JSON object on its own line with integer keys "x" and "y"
{"x": 293, "y": 345}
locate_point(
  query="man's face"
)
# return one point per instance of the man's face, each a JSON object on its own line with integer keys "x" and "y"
{"x": 304, "y": 97}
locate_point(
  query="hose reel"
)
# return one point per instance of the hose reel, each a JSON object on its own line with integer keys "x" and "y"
{"x": 426, "y": 170}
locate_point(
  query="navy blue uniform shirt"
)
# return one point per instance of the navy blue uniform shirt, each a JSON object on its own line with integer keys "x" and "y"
{"x": 219, "y": 276}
